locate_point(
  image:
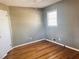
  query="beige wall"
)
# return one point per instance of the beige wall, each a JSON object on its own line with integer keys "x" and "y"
{"x": 3, "y": 7}
{"x": 26, "y": 25}
{"x": 68, "y": 23}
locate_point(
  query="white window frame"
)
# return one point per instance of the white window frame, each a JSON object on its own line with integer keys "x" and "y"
{"x": 52, "y": 18}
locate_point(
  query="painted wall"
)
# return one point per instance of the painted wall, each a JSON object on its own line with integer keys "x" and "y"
{"x": 67, "y": 31}
{"x": 27, "y": 25}
{"x": 5, "y": 31}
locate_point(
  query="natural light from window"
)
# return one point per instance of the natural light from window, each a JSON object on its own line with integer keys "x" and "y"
{"x": 52, "y": 18}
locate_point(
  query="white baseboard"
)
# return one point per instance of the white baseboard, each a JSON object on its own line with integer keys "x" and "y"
{"x": 55, "y": 42}
{"x": 3, "y": 56}
{"x": 63, "y": 45}
{"x": 26, "y": 44}
{"x": 22, "y": 45}
{"x": 46, "y": 40}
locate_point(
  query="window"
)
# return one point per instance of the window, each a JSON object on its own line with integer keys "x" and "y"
{"x": 52, "y": 18}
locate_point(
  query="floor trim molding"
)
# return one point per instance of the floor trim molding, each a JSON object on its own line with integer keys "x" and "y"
{"x": 3, "y": 56}
{"x": 26, "y": 44}
{"x": 46, "y": 40}
{"x": 41, "y": 40}
{"x": 20, "y": 46}
{"x": 63, "y": 45}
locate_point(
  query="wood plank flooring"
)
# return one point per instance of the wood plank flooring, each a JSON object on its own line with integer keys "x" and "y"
{"x": 42, "y": 50}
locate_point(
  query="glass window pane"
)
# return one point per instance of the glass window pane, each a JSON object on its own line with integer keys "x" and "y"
{"x": 52, "y": 18}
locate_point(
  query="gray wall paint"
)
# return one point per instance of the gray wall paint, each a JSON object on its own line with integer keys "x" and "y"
{"x": 27, "y": 25}
{"x": 26, "y": 31}
{"x": 68, "y": 23}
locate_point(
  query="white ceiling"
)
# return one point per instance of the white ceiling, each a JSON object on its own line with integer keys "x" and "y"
{"x": 29, "y": 3}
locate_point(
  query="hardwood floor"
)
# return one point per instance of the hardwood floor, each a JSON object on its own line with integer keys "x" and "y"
{"x": 42, "y": 50}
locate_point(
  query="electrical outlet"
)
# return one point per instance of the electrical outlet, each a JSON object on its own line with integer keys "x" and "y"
{"x": 54, "y": 39}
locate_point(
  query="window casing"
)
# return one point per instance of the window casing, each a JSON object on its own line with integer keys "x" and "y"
{"x": 52, "y": 18}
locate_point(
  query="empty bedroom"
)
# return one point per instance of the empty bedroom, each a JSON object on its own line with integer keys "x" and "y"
{"x": 39, "y": 29}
